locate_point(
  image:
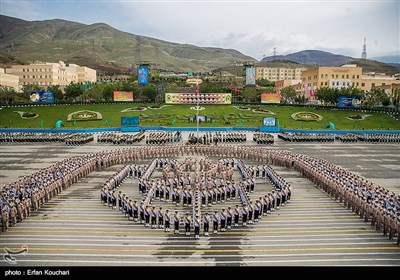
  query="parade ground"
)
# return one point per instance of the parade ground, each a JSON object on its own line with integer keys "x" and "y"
{"x": 75, "y": 229}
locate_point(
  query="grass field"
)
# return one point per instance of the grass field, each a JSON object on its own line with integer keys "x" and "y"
{"x": 223, "y": 115}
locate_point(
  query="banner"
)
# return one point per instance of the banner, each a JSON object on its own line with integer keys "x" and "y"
{"x": 204, "y": 98}
{"x": 130, "y": 121}
{"x": 349, "y": 102}
{"x": 269, "y": 121}
{"x": 143, "y": 75}
{"x": 268, "y": 98}
{"x": 251, "y": 76}
{"x": 193, "y": 81}
{"x": 123, "y": 96}
{"x": 42, "y": 96}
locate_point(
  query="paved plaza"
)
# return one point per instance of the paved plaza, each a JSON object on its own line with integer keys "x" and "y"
{"x": 75, "y": 229}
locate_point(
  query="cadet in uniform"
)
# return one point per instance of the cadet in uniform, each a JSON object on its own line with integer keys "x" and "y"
{"x": 4, "y": 219}
{"x": 176, "y": 223}
{"x": 215, "y": 221}
{"x": 236, "y": 214}
{"x": 223, "y": 219}
{"x": 206, "y": 223}
{"x": 167, "y": 219}
{"x": 196, "y": 224}
{"x": 187, "y": 221}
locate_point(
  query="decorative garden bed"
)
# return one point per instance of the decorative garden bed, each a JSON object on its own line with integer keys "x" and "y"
{"x": 197, "y": 107}
{"x": 27, "y": 115}
{"x": 134, "y": 109}
{"x": 242, "y": 108}
{"x": 263, "y": 111}
{"x": 84, "y": 115}
{"x": 306, "y": 116}
{"x": 157, "y": 107}
{"x": 357, "y": 117}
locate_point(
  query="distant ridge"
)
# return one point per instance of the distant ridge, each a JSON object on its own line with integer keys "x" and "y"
{"x": 103, "y": 47}
{"x": 312, "y": 57}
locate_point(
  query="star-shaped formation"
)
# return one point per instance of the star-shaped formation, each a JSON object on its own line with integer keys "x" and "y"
{"x": 198, "y": 184}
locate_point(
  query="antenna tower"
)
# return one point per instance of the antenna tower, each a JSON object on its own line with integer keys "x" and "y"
{"x": 364, "y": 53}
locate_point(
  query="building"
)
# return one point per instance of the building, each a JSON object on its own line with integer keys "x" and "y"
{"x": 274, "y": 74}
{"x": 279, "y": 85}
{"x": 8, "y": 80}
{"x": 371, "y": 80}
{"x": 47, "y": 74}
{"x": 390, "y": 88}
{"x": 348, "y": 75}
{"x": 86, "y": 74}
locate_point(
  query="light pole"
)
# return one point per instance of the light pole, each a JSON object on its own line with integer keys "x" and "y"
{"x": 197, "y": 110}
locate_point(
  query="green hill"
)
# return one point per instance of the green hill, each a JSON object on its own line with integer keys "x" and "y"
{"x": 101, "y": 46}
{"x": 376, "y": 66}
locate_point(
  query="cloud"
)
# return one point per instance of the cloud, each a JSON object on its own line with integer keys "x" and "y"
{"x": 254, "y": 28}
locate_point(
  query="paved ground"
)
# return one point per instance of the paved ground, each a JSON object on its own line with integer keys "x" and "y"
{"x": 75, "y": 229}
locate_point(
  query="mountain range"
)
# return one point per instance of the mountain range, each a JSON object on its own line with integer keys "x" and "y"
{"x": 102, "y": 46}
{"x": 107, "y": 49}
{"x": 312, "y": 57}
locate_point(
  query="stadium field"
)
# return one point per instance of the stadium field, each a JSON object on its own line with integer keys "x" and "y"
{"x": 179, "y": 116}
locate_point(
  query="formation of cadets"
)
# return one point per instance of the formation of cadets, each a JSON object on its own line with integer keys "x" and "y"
{"x": 29, "y": 193}
{"x": 263, "y": 138}
{"x": 306, "y": 137}
{"x": 218, "y": 137}
{"x": 369, "y": 138}
{"x": 365, "y": 198}
{"x": 347, "y": 138}
{"x": 78, "y": 139}
{"x": 31, "y": 138}
{"x": 162, "y": 138}
{"x": 211, "y": 184}
{"x": 120, "y": 139}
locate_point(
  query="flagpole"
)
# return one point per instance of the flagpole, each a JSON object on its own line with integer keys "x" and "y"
{"x": 197, "y": 111}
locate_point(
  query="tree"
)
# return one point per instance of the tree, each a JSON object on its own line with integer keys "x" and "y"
{"x": 57, "y": 92}
{"x": 7, "y": 95}
{"x": 150, "y": 92}
{"x": 396, "y": 98}
{"x": 108, "y": 92}
{"x": 95, "y": 93}
{"x": 172, "y": 87}
{"x": 72, "y": 91}
{"x": 374, "y": 97}
{"x": 386, "y": 101}
{"x": 30, "y": 87}
{"x": 265, "y": 83}
{"x": 249, "y": 94}
{"x": 288, "y": 93}
{"x": 211, "y": 87}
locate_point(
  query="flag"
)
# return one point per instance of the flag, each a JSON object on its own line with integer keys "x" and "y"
{"x": 197, "y": 88}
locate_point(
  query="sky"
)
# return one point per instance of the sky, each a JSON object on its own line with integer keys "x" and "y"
{"x": 253, "y": 27}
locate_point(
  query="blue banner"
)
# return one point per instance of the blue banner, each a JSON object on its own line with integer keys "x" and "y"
{"x": 250, "y": 76}
{"x": 269, "y": 121}
{"x": 130, "y": 121}
{"x": 143, "y": 75}
{"x": 349, "y": 102}
{"x": 42, "y": 96}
